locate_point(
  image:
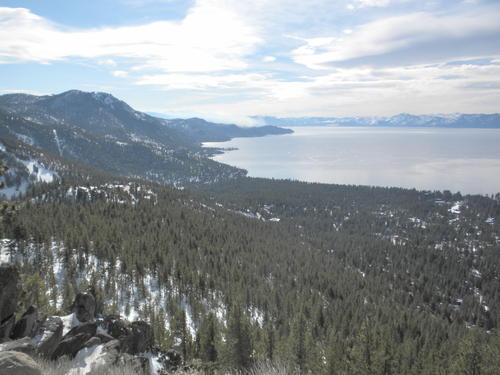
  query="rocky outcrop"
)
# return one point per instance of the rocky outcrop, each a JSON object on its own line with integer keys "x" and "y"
{"x": 84, "y": 307}
{"x": 27, "y": 325}
{"x": 75, "y": 340}
{"x": 9, "y": 294}
{"x": 23, "y": 345}
{"x": 120, "y": 342}
{"x": 139, "y": 338}
{"x": 6, "y": 328}
{"x": 135, "y": 337}
{"x": 112, "y": 355}
{"x": 17, "y": 363}
{"x": 52, "y": 330}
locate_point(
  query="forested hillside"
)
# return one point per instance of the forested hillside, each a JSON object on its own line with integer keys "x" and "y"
{"x": 331, "y": 279}
{"x": 232, "y": 271}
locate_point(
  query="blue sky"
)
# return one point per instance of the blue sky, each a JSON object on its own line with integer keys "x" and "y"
{"x": 226, "y": 60}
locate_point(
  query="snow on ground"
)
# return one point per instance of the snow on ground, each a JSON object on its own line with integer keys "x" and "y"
{"x": 58, "y": 142}
{"x": 189, "y": 316}
{"x": 2, "y": 147}
{"x": 69, "y": 321}
{"x": 40, "y": 173}
{"x": 86, "y": 359}
{"x": 154, "y": 364}
{"x": 4, "y": 250}
{"x": 455, "y": 209}
{"x": 14, "y": 191}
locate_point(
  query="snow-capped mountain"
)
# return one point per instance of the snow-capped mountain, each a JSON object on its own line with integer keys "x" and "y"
{"x": 454, "y": 120}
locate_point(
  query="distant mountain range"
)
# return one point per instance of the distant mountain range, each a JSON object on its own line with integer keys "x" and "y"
{"x": 98, "y": 130}
{"x": 456, "y": 120}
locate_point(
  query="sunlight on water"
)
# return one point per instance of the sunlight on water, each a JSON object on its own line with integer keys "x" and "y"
{"x": 465, "y": 160}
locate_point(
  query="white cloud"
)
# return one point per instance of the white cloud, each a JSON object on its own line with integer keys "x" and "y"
{"x": 209, "y": 38}
{"x": 417, "y": 31}
{"x": 368, "y": 3}
{"x": 120, "y": 73}
{"x": 269, "y": 59}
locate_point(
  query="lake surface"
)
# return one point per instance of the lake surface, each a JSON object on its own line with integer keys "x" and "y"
{"x": 465, "y": 160}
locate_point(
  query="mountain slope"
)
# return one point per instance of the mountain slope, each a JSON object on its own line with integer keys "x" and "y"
{"x": 486, "y": 121}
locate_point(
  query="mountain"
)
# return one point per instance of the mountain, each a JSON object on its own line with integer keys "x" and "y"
{"x": 487, "y": 121}
{"x": 107, "y": 134}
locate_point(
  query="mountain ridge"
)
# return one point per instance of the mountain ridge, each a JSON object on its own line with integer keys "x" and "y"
{"x": 454, "y": 120}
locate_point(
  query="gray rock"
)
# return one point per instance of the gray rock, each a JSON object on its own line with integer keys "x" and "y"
{"x": 116, "y": 327}
{"x": 16, "y": 363}
{"x": 27, "y": 325}
{"x": 105, "y": 338}
{"x": 92, "y": 341}
{"x": 74, "y": 340}
{"x": 52, "y": 335}
{"x": 9, "y": 295}
{"x": 138, "y": 339}
{"x": 84, "y": 307}
{"x": 23, "y": 345}
{"x": 9, "y": 290}
{"x": 6, "y": 328}
{"x": 112, "y": 357}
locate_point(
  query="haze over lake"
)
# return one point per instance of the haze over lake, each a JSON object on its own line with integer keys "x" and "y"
{"x": 465, "y": 160}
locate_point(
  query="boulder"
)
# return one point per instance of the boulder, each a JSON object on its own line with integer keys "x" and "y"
{"x": 74, "y": 340}
{"x": 9, "y": 290}
{"x": 138, "y": 339}
{"x": 105, "y": 338}
{"x": 111, "y": 356}
{"x": 27, "y": 325}
{"x": 116, "y": 327}
{"x": 92, "y": 341}
{"x": 9, "y": 295}
{"x": 6, "y": 328}
{"x": 51, "y": 336}
{"x": 84, "y": 307}
{"x": 17, "y": 363}
{"x": 23, "y": 345}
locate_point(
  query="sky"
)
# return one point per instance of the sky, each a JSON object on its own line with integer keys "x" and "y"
{"x": 228, "y": 60}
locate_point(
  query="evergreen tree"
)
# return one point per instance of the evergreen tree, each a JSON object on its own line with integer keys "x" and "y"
{"x": 238, "y": 343}
{"x": 208, "y": 339}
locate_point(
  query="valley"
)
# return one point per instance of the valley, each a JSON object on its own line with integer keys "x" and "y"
{"x": 232, "y": 271}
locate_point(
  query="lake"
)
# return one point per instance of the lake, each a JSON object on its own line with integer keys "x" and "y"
{"x": 465, "y": 160}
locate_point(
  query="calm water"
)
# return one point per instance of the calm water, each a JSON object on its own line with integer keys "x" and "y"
{"x": 465, "y": 160}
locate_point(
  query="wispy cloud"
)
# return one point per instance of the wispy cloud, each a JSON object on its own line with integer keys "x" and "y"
{"x": 226, "y": 59}
{"x": 209, "y": 38}
{"x": 415, "y": 33}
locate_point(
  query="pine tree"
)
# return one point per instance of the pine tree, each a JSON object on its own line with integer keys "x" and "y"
{"x": 238, "y": 338}
{"x": 470, "y": 355}
{"x": 298, "y": 342}
{"x": 208, "y": 339}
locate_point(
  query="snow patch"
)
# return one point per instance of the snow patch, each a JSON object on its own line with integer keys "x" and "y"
{"x": 69, "y": 321}
{"x": 455, "y": 209}
{"x": 87, "y": 359}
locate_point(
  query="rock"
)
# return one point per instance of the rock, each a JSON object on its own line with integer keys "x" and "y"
{"x": 171, "y": 358}
{"x": 116, "y": 327}
{"x": 74, "y": 340}
{"x": 27, "y": 325}
{"x": 138, "y": 339}
{"x": 16, "y": 363}
{"x": 105, "y": 338}
{"x": 9, "y": 290}
{"x": 23, "y": 345}
{"x": 9, "y": 294}
{"x": 6, "y": 328}
{"x": 51, "y": 336}
{"x": 112, "y": 356}
{"x": 84, "y": 307}
{"x": 92, "y": 341}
